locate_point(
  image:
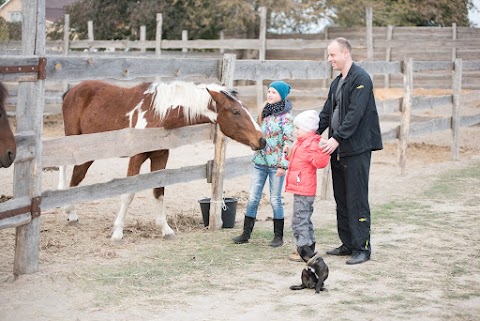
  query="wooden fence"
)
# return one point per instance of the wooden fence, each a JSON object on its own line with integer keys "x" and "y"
{"x": 23, "y": 210}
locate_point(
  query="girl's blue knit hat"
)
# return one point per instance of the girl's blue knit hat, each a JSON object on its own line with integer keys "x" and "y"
{"x": 282, "y": 87}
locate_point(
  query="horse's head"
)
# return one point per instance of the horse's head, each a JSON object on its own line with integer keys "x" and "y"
{"x": 235, "y": 120}
{"x": 8, "y": 147}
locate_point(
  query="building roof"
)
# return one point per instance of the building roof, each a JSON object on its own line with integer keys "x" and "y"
{"x": 55, "y": 9}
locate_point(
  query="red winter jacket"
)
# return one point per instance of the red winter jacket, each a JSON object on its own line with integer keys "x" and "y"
{"x": 305, "y": 157}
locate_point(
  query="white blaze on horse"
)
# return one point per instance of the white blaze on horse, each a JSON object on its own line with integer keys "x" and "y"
{"x": 8, "y": 146}
{"x": 95, "y": 106}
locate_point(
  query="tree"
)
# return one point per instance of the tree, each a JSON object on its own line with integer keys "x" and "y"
{"x": 121, "y": 19}
{"x": 349, "y": 13}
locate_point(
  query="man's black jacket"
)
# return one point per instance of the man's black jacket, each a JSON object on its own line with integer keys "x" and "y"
{"x": 359, "y": 129}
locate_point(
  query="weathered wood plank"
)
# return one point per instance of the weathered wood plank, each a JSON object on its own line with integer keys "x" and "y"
{"x": 471, "y": 120}
{"x": 432, "y": 65}
{"x": 94, "y": 67}
{"x": 429, "y": 127}
{"x": 13, "y": 204}
{"x": 14, "y": 63}
{"x": 389, "y": 106}
{"x": 25, "y": 146}
{"x": 391, "y": 134}
{"x": 381, "y": 67}
{"x": 118, "y": 186}
{"x": 79, "y": 149}
{"x": 423, "y": 102}
{"x": 232, "y": 44}
{"x": 472, "y": 65}
{"x": 281, "y": 69}
{"x": 238, "y": 166}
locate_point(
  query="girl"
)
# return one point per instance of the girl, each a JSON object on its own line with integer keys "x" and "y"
{"x": 270, "y": 162}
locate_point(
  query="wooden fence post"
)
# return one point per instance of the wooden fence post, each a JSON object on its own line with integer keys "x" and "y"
{"x": 90, "y": 33}
{"x": 143, "y": 37}
{"x": 222, "y": 37}
{"x": 261, "y": 53}
{"x": 185, "y": 38}
{"x": 158, "y": 36}
{"x": 406, "y": 110}
{"x": 456, "y": 117}
{"x": 66, "y": 35}
{"x": 218, "y": 172}
{"x": 369, "y": 18}
{"x": 388, "y": 55}
{"x": 454, "y": 37}
{"x": 28, "y": 174}
{"x": 325, "y": 56}
{"x": 66, "y": 45}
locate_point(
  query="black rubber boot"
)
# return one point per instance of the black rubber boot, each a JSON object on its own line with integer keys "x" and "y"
{"x": 305, "y": 252}
{"x": 278, "y": 231}
{"x": 248, "y": 224}
{"x": 313, "y": 247}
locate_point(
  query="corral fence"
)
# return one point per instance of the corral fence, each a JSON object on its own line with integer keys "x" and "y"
{"x": 24, "y": 211}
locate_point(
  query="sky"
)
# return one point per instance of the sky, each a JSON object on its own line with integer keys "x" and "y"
{"x": 474, "y": 15}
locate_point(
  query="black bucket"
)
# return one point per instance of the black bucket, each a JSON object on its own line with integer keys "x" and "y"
{"x": 228, "y": 214}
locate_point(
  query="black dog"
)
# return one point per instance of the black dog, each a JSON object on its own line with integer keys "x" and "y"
{"x": 313, "y": 276}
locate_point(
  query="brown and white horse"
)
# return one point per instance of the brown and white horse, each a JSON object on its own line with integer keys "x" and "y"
{"x": 8, "y": 147}
{"x": 95, "y": 106}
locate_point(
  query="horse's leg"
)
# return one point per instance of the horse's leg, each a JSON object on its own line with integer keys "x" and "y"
{"x": 134, "y": 165}
{"x": 79, "y": 172}
{"x": 62, "y": 177}
{"x": 158, "y": 161}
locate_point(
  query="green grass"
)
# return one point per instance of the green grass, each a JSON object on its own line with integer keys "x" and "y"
{"x": 452, "y": 184}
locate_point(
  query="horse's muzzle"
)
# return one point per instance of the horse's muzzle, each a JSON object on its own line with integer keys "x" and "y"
{"x": 8, "y": 159}
{"x": 262, "y": 143}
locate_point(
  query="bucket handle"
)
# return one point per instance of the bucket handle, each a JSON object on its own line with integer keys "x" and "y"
{"x": 224, "y": 206}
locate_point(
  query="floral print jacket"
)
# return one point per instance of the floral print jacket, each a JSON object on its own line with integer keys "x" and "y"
{"x": 278, "y": 130}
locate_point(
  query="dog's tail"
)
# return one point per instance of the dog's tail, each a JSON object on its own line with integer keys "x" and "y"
{"x": 297, "y": 287}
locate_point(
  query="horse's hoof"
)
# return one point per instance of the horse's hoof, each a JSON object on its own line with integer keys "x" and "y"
{"x": 169, "y": 237}
{"x": 72, "y": 222}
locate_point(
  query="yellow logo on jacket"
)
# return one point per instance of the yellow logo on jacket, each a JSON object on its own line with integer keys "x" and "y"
{"x": 360, "y": 87}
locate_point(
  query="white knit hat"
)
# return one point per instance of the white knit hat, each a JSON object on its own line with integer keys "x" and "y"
{"x": 307, "y": 120}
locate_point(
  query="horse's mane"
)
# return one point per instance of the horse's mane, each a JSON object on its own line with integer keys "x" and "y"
{"x": 194, "y": 98}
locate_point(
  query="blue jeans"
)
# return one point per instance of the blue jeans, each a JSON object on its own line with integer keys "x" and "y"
{"x": 259, "y": 177}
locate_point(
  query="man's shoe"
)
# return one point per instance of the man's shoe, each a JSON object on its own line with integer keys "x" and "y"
{"x": 342, "y": 250}
{"x": 358, "y": 258}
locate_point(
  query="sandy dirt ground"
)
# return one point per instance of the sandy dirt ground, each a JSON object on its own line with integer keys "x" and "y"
{"x": 66, "y": 288}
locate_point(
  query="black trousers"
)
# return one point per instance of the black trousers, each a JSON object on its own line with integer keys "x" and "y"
{"x": 350, "y": 188}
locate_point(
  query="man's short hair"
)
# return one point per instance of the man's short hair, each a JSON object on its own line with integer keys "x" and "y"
{"x": 344, "y": 43}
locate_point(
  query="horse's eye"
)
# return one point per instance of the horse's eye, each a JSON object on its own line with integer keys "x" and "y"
{"x": 236, "y": 112}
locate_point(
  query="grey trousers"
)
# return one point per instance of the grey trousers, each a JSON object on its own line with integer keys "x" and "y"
{"x": 302, "y": 225}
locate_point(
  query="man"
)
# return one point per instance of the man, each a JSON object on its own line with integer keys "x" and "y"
{"x": 354, "y": 132}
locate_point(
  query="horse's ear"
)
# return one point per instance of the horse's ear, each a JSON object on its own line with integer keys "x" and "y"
{"x": 218, "y": 97}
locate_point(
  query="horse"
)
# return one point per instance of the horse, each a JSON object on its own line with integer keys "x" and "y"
{"x": 96, "y": 106}
{"x": 8, "y": 146}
